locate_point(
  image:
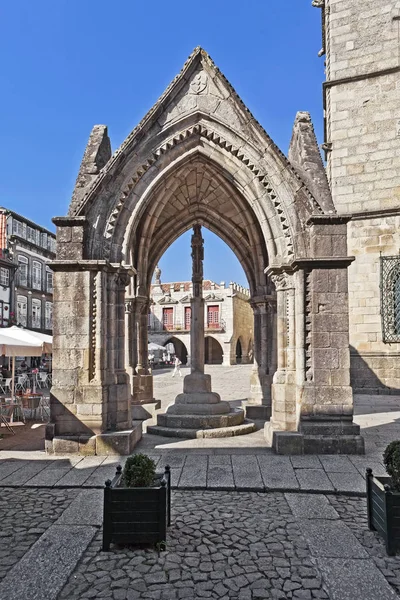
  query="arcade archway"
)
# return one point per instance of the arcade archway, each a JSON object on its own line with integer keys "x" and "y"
{"x": 213, "y": 352}
{"x": 180, "y": 349}
{"x": 200, "y": 158}
{"x": 239, "y": 354}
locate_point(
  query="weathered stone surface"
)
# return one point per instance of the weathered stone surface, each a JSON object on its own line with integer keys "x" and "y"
{"x": 44, "y": 570}
{"x": 331, "y": 539}
{"x": 311, "y": 506}
{"x": 355, "y": 579}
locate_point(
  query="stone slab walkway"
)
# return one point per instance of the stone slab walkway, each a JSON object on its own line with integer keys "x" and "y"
{"x": 222, "y": 545}
{"x": 256, "y": 470}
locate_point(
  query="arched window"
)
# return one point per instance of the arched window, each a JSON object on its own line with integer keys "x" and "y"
{"x": 36, "y": 275}
{"x": 22, "y": 310}
{"x": 23, "y": 270}
{"x": 36, "y": 313}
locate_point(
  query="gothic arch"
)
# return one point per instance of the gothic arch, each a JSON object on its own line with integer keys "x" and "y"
{"x": 199, "y": 157}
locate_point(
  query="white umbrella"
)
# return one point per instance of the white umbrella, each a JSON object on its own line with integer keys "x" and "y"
{"x": 152, "y": 346}
{"x": 15, "y": 341}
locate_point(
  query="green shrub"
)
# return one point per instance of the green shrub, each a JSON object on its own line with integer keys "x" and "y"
{"x": 139, "y": 471}
{"x": 391, "y": 459}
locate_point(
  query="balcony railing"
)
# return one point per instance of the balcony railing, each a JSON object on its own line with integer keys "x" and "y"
{"x": 178, "y": 326}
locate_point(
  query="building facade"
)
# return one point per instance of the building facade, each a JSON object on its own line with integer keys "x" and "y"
{"x": 228, "y": 321}
{"x": 362, "y": 147}
{"x": 7, "y": 274}
{"x": 30, "y": 248}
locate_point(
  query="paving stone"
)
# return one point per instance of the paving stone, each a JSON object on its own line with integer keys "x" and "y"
{"x": 362, "y": 462}
{"x": 9, "y": 466}
{"x": 86, "y": 509}
{"x": 311, "y": 506}
{"x": 194, "y": 472}
{"x": 81, "y": 472}
{"x": 25, "y": 473}
{"x": 313, "y": 479}
{"x": 306, "y": 462}
{"x": 330, "y": 538}
{"x": 352, "y": 579}
{"x": 348, "y": 482}
{"x": 48, "y": 477}
{"x": 277, "y": 474}
{"x": 337, "y": 464}
{"x": 246, "y": 473}
{"x": 45, "y": 568}
{"x": 220, "y": 473}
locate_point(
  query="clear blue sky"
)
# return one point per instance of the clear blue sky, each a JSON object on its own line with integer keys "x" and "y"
{"x": 69, "y": 64}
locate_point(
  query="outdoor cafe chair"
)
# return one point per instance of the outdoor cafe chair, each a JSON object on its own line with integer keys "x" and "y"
{"x": 21, "y": 383}
{"x": 42, "y": 380}
{"x": 31, "y": 403}
{"x": 7, "y": 384}
{"x": 6, "y": 415}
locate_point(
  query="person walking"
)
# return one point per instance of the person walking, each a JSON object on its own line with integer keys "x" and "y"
{"x": 177, "y": 369}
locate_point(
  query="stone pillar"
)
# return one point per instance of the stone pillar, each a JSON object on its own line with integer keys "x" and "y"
{"x": 197, "y": 333}
{"x": 130, "y": 338}
{"x": 312, "y": 409}
{"x": 142, "y": 383}
{"x": 284, "y": 413}
{"x": 258, "y": 405}
{"x": 90, "y": 396}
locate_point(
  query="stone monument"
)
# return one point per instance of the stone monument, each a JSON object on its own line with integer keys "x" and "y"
{"x": 199, "y": 412}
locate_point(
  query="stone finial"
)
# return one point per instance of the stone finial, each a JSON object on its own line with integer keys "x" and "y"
{"x": 305, "y": 157}
{"x": 96, "y": 156}
{"x": 157, "y": 275}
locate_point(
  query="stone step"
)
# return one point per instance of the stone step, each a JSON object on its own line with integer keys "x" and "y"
{"x": 218, "y": 432}
{"x": 189, "y": 421}
{"x": 219, "y": 408}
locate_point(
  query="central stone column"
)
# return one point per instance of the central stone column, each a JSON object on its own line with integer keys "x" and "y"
{"x": 197, "y": 382}
{"x": 198, "y": 412}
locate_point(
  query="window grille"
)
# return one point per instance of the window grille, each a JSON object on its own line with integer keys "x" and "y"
{"x": 390, "y": 298}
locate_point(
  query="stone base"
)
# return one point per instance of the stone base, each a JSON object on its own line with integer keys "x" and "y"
{"x": 201, "y": 421}
{"x": 142, "y": 412}
{"x": 116, "y": 443}
{"x": 219, "y": 432}
{"x": 256, "y": 412}
{"x": 319, "y": 439}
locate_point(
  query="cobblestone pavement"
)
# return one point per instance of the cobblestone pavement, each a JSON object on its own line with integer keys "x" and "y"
{"x": 25, "y": 515}
{"x": 220, "y": 545}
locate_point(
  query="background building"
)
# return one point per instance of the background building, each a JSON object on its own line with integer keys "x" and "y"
{"x": 228, "y": 320}
{"x": 362, "y": 146}
{"x": 7, "y": 273}
{"x": 29, "y": 248}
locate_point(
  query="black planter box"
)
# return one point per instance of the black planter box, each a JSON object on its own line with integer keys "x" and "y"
{"x": 383, "y": 506}
{"x": 136, "y": 515}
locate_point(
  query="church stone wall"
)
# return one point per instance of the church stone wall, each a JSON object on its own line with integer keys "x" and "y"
{"x": 362, "y": 100}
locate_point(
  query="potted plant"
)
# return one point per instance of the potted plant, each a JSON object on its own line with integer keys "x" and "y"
{"x": 383, "y": 499}
{"x": 137, "y": 504}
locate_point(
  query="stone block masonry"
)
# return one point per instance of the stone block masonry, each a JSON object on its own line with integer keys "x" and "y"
{"x": 362, "y": 104}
